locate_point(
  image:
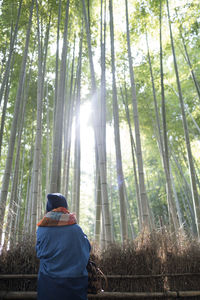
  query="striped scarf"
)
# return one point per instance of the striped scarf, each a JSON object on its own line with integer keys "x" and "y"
{"x": 58, "y": 217}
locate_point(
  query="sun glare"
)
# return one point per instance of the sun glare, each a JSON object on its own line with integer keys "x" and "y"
{"x": 87, "y": 167}
{"x": 87, "y": 138}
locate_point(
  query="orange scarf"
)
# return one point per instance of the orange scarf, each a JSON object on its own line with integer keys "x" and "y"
{"x": 58, "y": 217}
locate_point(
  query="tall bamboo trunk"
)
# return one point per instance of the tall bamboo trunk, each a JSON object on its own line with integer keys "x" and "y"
{"x": 98, "y": 211}
{"x": 26, "y": 207}
{"x": 158, "y": 125}
{"x": 56, "y": 82}
{"x": 120, "y": 175}
{"x": 188, "y": 208}
{"x": 77, "y": 154}
{"x": 177, "y": 202}
{"x": 27, "y": 219}
{"x": 164, "y": 147}
{"x": 68, "y": 150}
{"x": 12, "y": 213}
{"x": 190, "y": 64}
{"x": 3, "y": 116}
{"x": 68, "y": 127}
{"x": 134, "y": 162}
{"x": 6, "y": 97}
{"x": 58, "y": 121}
{"x": 146, "y": 218}
{"x": 38, "y": 138}
{"x": 98, "y": 138}
{"x": 69, "y": 137}
{"x": 9, "y": 159}
{"x": 57, "y": 60}
{"x": 15, "y": 224}
{"x": 68, "y": 133}
{"x": 12, "y": 43}
{"x": 20, "y": 224}
{"x": 103, "y": 75}
{"x": 195, "y": 196}
{"x": 132, "y": 228}
{"x": 47, "y": 143}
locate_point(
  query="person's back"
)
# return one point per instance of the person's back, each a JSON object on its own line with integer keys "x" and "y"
{"x": 63, "y": 250}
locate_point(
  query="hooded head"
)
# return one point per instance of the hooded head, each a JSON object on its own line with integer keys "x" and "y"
{"x": 56, "y": 200}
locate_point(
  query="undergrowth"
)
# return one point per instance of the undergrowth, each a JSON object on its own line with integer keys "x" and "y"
{"x": 158, "y": 252}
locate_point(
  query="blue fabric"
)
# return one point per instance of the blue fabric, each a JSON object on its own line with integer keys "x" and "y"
{"x": 62, "y": 288}
{"x": 63, "y": 252}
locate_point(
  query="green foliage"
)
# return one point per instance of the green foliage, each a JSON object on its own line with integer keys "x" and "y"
{"x": 143, "y": 18}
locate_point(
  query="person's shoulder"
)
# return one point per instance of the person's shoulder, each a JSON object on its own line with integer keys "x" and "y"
{"x": 76, "y": 227}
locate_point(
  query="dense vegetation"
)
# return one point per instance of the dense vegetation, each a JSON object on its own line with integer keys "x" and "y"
{"x": 135, "y": 65}
{"x": 153, "y": 262}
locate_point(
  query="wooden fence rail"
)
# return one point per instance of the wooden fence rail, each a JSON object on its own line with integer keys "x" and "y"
{"x": 34, "y": 276}
{"x": 109, "y": 295}
{"x": 106, "y": 295}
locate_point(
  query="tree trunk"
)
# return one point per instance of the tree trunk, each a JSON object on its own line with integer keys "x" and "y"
{"x": 103, "y": 76}
{"x": 178, "y": 209}
{"x": 57, "y": 60}
{"x": 15, "y": 224}
{"x": 164, "y": 148}
{"x": 27, "y": 224}
{"x": 9, "y": 159}
{"x": 47, "y": 143}
{"x": 3, "y": 117}
{"x": 187, "y": 139}
{"x": 67, "y": 133}
{"x": 134, "y": 162}
{"x": 98, "y": 208}
{"x": 189, "y": 212}
{"x": 77, "y": 154}
{"x": 120, "y": 175}
{"x": 20, "y": 207}
{"x": 103, "y": 123}
{"x": 98, "y": 139}
{"x": 6, "y": 97}
{"x": 133, "y": 233}
{"x": 12, "y": 212}
{"x": 189, "y": 64}
{"x": 12, "y": 43}
{"x": 38, "y": 138}
{"x": 187, "y": 192}
{"x": 57, "y": 140}
{"x": 146, "y": 221}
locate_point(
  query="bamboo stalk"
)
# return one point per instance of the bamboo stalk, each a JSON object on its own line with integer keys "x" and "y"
{"x": 110, "y": 295}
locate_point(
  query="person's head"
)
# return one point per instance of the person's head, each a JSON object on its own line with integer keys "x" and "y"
{"x": 56, "y": 200}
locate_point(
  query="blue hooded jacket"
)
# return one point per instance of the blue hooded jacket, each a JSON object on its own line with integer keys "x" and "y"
{"x": 63, "y": 252}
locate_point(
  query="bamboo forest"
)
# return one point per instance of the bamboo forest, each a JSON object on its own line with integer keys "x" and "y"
{"x": 129, "y": 72}
{"x": 100, "y": 101}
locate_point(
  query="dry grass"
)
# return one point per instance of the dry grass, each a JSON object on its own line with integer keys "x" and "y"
{"x": 151, "y": 253}
{"x": 20, "y": 260}
{"x": 154, "y": 253}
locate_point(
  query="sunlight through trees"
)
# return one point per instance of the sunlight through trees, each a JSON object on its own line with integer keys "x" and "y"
{"x": 100, "y": 100}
